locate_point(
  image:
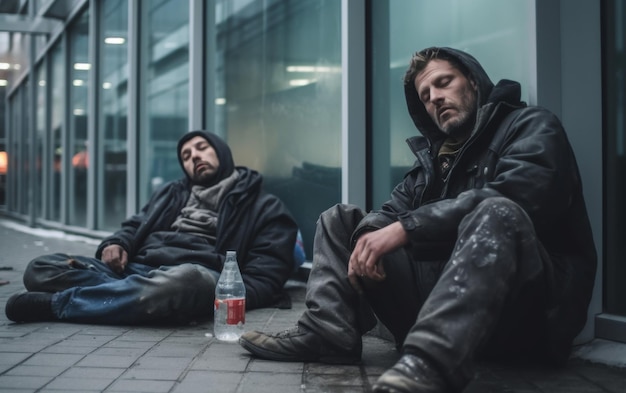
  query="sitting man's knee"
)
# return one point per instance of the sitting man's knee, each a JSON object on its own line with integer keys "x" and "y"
{"x": 345, "y": 215}
{"x": 189, "y": 276}
{"x": 33, "y": 278}
{"x": 501, "y": 208}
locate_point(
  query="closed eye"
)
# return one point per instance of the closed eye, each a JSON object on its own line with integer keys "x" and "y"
{"x": 444, "y": 81}
{"x": 202, "y": 145}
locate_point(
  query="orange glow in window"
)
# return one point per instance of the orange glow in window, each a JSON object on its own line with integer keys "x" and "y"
{"x": 4, "y": 162}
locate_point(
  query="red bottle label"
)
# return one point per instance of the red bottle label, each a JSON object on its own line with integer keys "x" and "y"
{"x": 235, "y": 310}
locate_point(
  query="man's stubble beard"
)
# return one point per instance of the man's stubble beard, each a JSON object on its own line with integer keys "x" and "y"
{"x": 203, "y": 178}
{"x": 461, "y": 127}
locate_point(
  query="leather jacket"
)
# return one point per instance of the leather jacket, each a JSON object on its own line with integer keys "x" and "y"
{"x": 515, "y": 151}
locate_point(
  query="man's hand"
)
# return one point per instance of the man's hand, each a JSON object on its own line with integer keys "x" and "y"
{"x": 365, "y": 259}
{"x": 115, "y": 257}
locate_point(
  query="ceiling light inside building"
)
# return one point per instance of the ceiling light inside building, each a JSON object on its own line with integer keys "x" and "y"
{"x": 82, "y": 66}
{"x": 220, "y": 101}
{"x": 300, "y": 82}
{"x": 4, "y": 66}
{"x": 301, "y": 69}
{"x": 115, "y": 40}
{"x": 305, "y": 68}
{"x": 106, "y": 85}
{"x": 78, "y": 82}
{"x": 4, "y": 82}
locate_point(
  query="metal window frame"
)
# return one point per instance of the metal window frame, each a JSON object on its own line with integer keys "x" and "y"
{"x": 197, "y": 39}
{"x": 353, "y": 103}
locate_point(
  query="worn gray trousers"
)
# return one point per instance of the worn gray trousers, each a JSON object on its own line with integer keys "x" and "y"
{"x": 486, "y": 296}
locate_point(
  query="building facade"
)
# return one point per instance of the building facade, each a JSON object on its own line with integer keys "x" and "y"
{"x": 94, "y": 95}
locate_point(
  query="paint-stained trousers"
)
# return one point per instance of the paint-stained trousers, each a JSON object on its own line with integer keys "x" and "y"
{"x": 86, "y": 290}
{"x": 486, "y": 297}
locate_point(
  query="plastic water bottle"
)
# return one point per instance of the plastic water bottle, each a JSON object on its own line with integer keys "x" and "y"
{"x": 230, "y": 301}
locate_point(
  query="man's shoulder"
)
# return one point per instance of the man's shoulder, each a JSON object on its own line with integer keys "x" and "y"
{"x": 173, "y": 185}
{"x": 531, "y": 113}
{"x": 533, "y": 109}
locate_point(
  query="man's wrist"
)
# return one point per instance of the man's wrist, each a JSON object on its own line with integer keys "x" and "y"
{"x": 408, "y": 221}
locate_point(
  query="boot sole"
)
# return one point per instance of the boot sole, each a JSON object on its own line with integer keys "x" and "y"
{"x": 269, "y": 355}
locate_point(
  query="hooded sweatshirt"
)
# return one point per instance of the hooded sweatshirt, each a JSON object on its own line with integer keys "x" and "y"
{"x": 224, "y": 155}
{"x": 254, "y": 223}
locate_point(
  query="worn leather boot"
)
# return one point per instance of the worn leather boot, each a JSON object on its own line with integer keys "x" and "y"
{"x": 298, "y": 344}
{"x": 30, "y": 307}
{"x": 411, "y": 374}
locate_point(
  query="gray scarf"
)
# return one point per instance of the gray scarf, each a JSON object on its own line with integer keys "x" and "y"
{"x": 199, "y": 216}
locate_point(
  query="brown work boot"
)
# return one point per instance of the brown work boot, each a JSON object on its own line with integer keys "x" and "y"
{"x": 411, "y": 374}
{"x": 298, "y": 344}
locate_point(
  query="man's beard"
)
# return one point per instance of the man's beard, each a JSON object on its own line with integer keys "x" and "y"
{"x": 461, "y": 127}
{"x": 203, "y": 178}
{"x": 467, "y": 108}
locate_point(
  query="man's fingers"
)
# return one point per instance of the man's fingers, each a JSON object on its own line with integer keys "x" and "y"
{"x": 354, "y": 266}
{"x": 115, "y": 257}
{"x": 354, "y": 281}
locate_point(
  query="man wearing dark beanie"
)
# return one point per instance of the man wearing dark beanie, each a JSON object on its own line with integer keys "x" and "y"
{"x": 163, "y": 264}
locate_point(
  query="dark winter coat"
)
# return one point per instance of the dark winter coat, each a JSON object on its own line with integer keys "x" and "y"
{"x": 254, "y": 223}
{"x": 515, "y": 151}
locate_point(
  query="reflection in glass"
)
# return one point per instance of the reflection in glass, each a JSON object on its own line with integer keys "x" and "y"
{"x": 15, "y": 153}
{"x": 615, "y": 150}
{"x": 4, "y": 158}
{"x": 482, "y": 28}
{"x": 113, "y": 109}
{"x": 40, "y": 140}
{"x": 79, "y": 82}
{"x": 23, "y": 144}
{"x": 278, "y": 98}
{"x": 164, "y": 89}
{"x": 55, "y": 154}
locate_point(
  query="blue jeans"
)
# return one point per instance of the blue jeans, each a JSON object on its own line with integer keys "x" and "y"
{"x": 86, "y": 290}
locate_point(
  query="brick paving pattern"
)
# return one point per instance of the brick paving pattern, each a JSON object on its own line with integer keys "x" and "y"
{"x": 62, "y": 357}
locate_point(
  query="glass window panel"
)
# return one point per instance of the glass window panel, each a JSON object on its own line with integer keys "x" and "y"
{"x": 4, "y": 158}
{"x": 78, "y": 84}
{"x": 496, "y": 32}
{"x": 615, "y": 149}
{"x": 19, "y": 153}
{"x": 25, "y": 143}
{"x": 16, "y": 156}
{"x": 277, "y": 98}
{"x": 40, "y": 139}
{"x": 113, "y": 114}
{"x": 19, "y": 53}
{"x": 164, "y": 90}
{"x": 55, "y": 154}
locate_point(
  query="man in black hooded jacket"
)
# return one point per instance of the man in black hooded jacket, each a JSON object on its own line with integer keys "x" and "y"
{"x": 483, "y": 250}
{"x": 163, "y": 264}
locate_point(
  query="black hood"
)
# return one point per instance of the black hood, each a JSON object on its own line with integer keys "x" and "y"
{"x": 227, "y": 165}
{"x": 474, "y": 71}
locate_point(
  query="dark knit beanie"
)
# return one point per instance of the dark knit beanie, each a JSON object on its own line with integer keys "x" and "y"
{"x": 227, "y": 166}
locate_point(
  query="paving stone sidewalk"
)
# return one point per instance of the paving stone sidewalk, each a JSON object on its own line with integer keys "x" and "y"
{"x": 62, "y": 357}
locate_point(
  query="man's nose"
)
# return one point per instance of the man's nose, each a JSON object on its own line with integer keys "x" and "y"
{"x": 436, "y": 96}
